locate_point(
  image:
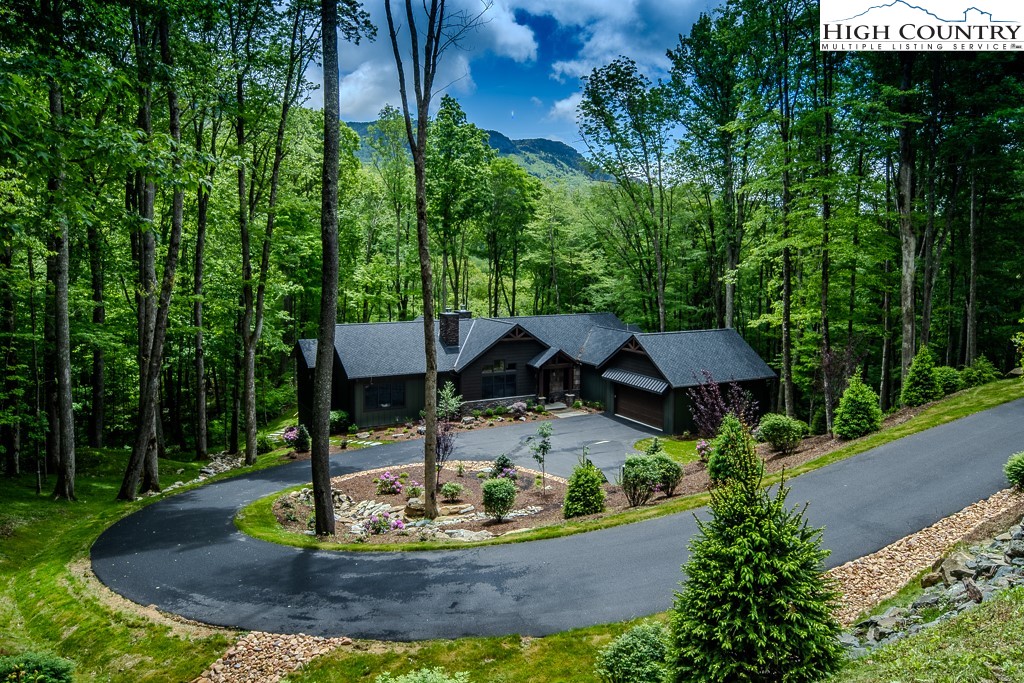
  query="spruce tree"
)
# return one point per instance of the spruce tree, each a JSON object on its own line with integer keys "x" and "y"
{"x": 920, "y": 386}
{"x": 756, "y": 605}
{"x": 858, "y": 413}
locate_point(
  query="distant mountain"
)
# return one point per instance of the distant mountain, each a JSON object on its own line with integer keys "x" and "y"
{"x": 545, "y": 159}
{"x": 901, "y": 11}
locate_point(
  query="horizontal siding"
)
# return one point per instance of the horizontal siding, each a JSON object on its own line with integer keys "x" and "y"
{"x": 633, "y": 362}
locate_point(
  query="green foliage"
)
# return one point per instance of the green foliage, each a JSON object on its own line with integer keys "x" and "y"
{"x": 584, "y": 494}
{"x": 733, "y": 455}
{"x": 501, "y": 464}
{"x": 818, "y": 425}
{"x": 339, "y": 421}
{"x": 451, "y": 491}
{"x": 756, "y": 604}
{"x": 980, "y": 372}
{"x": 36, "y": 667}
{"x": 948, "y": 379}
{"x": 449, "y": 404}
{"x": 655, "y": 446}
{"x": 670, "y": 473}
{"x": 1014, "y": 470}
{"x": 637, "y": 656}
{"x": 302, "y": 443}
{"x": 858, "y": 412}
{"x": 426, "y": 675}
{"x": 264, "y": 444}
{"x": 640, "y": 475}
{"x": 542, "y": 445}
{"x": 781, "y": 432}
{"x": 499, "y": 497}
{"x": 919, "y": 386}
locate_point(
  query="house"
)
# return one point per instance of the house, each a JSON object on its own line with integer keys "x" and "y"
{"x": 379, "y": 368}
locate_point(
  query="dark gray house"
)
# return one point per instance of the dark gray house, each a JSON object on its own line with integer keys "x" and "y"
{"x": 379, "y": 367}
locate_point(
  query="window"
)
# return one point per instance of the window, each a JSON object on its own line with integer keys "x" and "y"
{"x": 498, "y": 380}
{"x": 384, "y": 395}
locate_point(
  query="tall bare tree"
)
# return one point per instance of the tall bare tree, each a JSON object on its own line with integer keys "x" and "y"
{"x": 440, "y": 30}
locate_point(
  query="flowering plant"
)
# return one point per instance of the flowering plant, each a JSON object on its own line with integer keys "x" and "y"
{"x": 388, "y": 484}
{"x": 297, "y": 438}
{"x": 703, "y": 450}
{"x": 382, "y": 523}
{"x": 507, "y": 473}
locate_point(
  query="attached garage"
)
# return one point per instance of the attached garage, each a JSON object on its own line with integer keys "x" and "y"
{"x": 638, "y": 397}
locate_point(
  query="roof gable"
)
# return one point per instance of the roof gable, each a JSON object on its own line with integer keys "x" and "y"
{"x": 683, "y": 356}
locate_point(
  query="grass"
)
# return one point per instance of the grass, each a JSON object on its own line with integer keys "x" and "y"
{"x": 257, "y": 519}
{"x": 47, "y": 601}
{"x": 683, "y": 451}
{"x": 984, "y": 644}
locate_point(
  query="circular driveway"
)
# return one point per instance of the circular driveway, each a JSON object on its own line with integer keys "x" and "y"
{"x": 184, "y": 554}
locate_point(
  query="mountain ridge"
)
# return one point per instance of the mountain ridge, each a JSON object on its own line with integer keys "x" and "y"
{"x": 546, "y": 159}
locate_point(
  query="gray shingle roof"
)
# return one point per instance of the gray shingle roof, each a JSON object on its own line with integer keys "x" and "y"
{"x": 567, "y": 332}
{"x": 543, "y": 357}
{"x": 601, "y": 343}
{"x": 682, "y": 356}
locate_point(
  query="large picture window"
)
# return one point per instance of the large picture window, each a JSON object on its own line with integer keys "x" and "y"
{"x": 384, "y": 396}
{"x": 498, "y": 380}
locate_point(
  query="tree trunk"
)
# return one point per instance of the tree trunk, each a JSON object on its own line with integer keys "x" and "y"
{"x": 826, "y": 219}
{"x": 98, "y": 408}
{"x": 885, "y": 387}
{"x": 908, "y": 238}
{"x": 972, "y": 282}
{"x": 65, "y": 487}
{"x": 323, "y": 503}
{"x": 9, "y": 431}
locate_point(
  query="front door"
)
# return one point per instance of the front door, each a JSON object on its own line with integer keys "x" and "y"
{"x": 556, "y": 380}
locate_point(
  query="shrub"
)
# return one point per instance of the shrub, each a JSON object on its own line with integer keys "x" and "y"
{"x": 655, "y": 446}
{"x": 577, "y": 404}
{"x": 339, "y": 421}
{"x": 584, "y": 495}
{"x": 499, "y": 497}
{"x": 264, "y": 444}
{"x": 709, "y": 407}
{"x": 500, "y": 410}
{"x": 297, "y": 438}
{"x": 858, "y": 412}
{"x": 451, "y": 491}
{"x": 637, "y": 656}
{"x": 437, "y": 675}
{"x": 489, "y": 412}
{"x": 500, "y": 467}
{"x": 639, "y": 477}
{"x": 670, "y": 473}
{"x": 37, "y": 667}
{"x": 388, "y": 484}
{"x": 980, "y": 372}
{"x": 414, "y": 490}
{"x": 782, "y": 433}
{"x": 919, "y": 386}
{"x": 733, "y": 456}
{"x": 449, "y": 404}
{"x": 756, "y": 604}
{"x": 703, "y": 450}
{"x": 352, "y": 429}
{"x": 948, "y": 379}
{"x": 1014, "y": 470}
{"x": 381, "y": 524}
{"x": 518, "y": 408}
{"x": 818, "y": 425}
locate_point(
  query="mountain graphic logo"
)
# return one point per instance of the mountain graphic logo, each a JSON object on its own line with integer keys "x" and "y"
{"x": 901, "y": 11}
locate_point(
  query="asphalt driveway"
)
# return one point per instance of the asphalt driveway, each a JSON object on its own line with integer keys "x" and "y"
{"x": 184, "y": 554}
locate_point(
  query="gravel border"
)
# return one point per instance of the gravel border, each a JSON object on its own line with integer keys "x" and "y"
{"x": 872, "y": 579}
{"x": 259, "y": 657}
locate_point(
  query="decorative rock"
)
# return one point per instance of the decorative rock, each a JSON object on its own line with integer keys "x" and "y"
{"x": 973, "y": 592}
{"x": 414, "y": 507}
{"x": 931, "y": 579}
{"x": 1015, "y": 549}
{"x": 452, "y": 510}
{"x": 363, "y": 435}
{"x": 468, "y": 420}
{"x": 421, "y": 430}
{"x": 926, "y": 600}
{"x": 468, "y": 536}
{"x": 956, "y": 567}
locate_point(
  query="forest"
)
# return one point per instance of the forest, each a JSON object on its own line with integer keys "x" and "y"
{"x": 160, "y": 207}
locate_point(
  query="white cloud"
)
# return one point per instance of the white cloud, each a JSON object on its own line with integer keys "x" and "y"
{"x": 565, "y": 110}
{"x": 536, "y": 101}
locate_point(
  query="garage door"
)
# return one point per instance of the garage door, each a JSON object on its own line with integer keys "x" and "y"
{"x": 639, "y": 405}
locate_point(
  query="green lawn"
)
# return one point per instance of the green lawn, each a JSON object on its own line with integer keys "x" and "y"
{"x": 683, "y": 451}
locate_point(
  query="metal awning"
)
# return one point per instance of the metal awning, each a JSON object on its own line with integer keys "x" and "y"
{"x": 636, "y": 380}
{"x": 543, "y": 357}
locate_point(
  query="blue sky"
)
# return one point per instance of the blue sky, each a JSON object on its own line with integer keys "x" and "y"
{"x": 519, "y": 72}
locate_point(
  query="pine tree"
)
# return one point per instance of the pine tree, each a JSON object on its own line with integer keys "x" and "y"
{"x": 858, "y": 413}
{"x": 920, "y": 386}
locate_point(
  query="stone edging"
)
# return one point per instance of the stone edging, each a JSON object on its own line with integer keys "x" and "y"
{"x": 470, "y": 465}
{"x": 872, "y": 579}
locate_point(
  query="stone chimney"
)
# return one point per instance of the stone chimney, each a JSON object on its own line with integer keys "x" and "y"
{"x": 450, "y": 328}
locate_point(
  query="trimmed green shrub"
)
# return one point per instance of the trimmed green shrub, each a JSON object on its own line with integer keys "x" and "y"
{"x": 264, "y": 444}
{"x": 670, "y": 473}
{"x": 781, "y": 432}
{"x": 818, "y": 424}
{"x": 584, "y": 495}
{"x": 499, "y": 497}
{"x": 339, "y": 421}
{"x": 980, "y": 372}
{"x": 948, "y": 379}
{"x": 451, "y": 491}
{"x": 655, "y": 446}
{"x": 919, "y": 386}
{"x": 436, "y": 675}
{"x": 37, "y": 667}
{"x": 858, "y": 412}
{"x": 637, "y": 656}
{"x": 1014, "y": 470}
{"x": 732, "y": 453}
{"x": 639, "y": 477}
{"x": 756, "y": 604}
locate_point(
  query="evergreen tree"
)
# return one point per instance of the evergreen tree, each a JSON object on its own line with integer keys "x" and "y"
{"x": 920, "y": 386}
{"x": 858, "y": 413}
